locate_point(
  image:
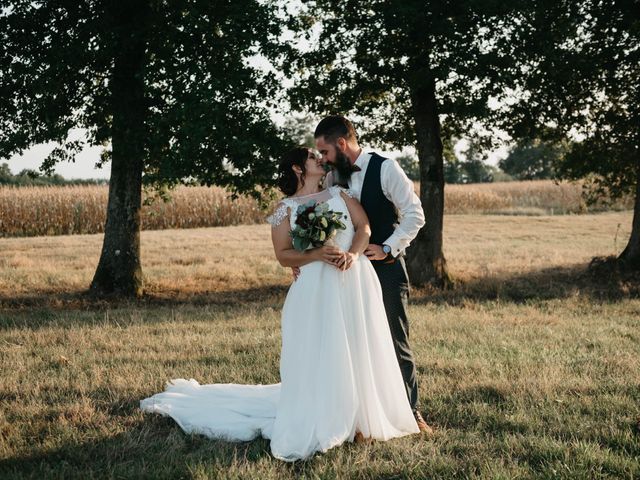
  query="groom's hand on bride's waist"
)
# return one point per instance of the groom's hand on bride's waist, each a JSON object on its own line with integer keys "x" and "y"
{"x": 295, "y": 271}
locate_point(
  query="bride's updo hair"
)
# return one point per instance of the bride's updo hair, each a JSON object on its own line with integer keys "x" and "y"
{"x": 287, "y": 178}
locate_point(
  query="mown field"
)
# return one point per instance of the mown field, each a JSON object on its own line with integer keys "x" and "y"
{"x": 34, "y": 211}
{"x": 528, "y": 368}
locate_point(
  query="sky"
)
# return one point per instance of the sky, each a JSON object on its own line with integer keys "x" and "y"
{"x": 84, "y": 166}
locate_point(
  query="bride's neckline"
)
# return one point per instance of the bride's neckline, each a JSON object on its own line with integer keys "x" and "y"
{"x": 308, "y": 194}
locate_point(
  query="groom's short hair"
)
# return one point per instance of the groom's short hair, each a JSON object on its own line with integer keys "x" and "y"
{"x": 334, "y": 127}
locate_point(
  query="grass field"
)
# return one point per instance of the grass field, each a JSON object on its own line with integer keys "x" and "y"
{"x": 528, "y": 368}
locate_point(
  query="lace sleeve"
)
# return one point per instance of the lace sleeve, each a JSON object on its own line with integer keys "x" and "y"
{"x": 279, "y": 215}
{"x": 337, "y": 189}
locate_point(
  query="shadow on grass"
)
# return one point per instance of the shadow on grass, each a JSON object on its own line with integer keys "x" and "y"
{"x": 499, "y": 412}
{"x": 154, "y": 447}
{"x": 83, "y": 300}
{"x": 128, "y": 444}
{"x": 598, "y": 283}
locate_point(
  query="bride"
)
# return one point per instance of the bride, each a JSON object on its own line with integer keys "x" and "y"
{"x": 340, "y": 380}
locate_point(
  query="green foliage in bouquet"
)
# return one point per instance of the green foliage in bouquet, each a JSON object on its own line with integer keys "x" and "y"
{"x": 315, "y": 224}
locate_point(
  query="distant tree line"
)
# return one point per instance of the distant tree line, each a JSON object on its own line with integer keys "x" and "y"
{"x": 526, "y": 160}
{"x": 27, "y": 177}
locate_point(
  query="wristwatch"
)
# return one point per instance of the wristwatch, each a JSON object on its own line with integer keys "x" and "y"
{"x": 386, "y": 249}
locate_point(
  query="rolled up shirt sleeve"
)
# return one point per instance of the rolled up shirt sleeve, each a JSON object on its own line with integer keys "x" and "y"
{"x": 399, "y": 189}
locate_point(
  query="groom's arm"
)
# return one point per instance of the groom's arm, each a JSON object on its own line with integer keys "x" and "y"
{"x": 399, "y": 189}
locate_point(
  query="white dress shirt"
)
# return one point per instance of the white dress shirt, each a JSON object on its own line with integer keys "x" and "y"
{"x": 399, "y": 190}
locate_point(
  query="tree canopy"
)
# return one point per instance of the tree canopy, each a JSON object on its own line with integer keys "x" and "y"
{"x": 369, "y": 56}
{"x": 206, "y": 115}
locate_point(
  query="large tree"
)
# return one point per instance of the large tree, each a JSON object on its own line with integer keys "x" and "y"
{"x": 408, "y": 69}
{"x": 582, "y": 83}
{"x": 165, "y": 87}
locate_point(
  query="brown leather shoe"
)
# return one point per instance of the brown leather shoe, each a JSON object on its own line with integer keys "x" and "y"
{"x": 360, "y": 438}
{"x": 422, "y": 425}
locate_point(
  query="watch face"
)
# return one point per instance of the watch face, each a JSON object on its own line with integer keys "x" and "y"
{"x": 386, "y": 249}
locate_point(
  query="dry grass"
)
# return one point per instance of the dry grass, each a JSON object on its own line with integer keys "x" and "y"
{"x": 528, "y": 369}
{"x": 67, "y": 210}
{"x": 482, "y": 248}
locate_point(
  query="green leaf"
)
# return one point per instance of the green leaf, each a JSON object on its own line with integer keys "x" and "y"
{"x": 297, "y": 244}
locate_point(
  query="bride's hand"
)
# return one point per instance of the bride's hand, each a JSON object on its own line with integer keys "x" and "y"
{"x": 329, "y": 254}
{"x": 347, "y": 260}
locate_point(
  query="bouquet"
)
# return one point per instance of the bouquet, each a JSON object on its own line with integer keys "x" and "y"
{"x": 315, "y": 225}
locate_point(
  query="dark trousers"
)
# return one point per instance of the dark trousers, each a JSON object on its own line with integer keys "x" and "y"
{"x": 395, "y": 294}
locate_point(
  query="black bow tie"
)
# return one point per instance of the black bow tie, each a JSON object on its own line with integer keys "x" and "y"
{"x": 346, "y": 168}
{"x": 342, "y": 174}
{"x": 328, "y": 167}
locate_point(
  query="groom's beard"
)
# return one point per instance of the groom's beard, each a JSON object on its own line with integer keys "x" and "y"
{"x": 343, "y": 168}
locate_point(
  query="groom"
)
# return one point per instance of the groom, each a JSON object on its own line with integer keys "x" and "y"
{"x": 395, "y": 215}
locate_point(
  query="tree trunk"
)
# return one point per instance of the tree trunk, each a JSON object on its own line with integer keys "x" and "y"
{"x": 119, "y": 270}
{"x": 630, "y": 256}
{"x": 425, "y": 260}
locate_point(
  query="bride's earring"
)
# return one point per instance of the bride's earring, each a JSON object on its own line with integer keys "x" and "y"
{"x": 321, "y": 181}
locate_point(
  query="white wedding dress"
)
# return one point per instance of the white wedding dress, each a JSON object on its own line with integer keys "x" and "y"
{"x": 338, "y": 368}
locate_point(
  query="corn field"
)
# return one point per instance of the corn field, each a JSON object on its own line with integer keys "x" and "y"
{"x": 539, "y": 197}
{"x": 66, "y": 210}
